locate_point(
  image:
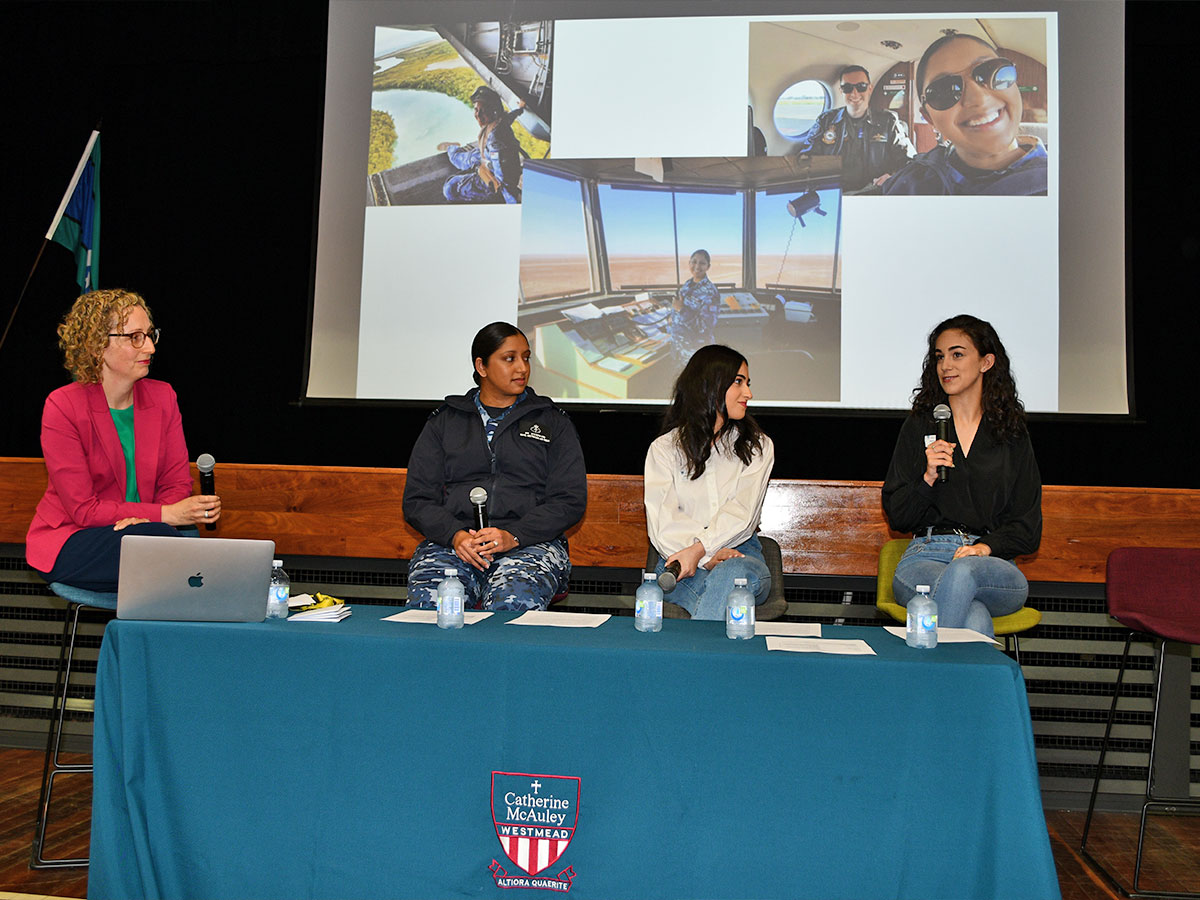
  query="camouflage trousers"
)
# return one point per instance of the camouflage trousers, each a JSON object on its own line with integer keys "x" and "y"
{"x": 525, "y": 577}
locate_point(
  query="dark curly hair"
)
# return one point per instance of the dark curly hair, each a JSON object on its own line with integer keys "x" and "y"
{"x": 1002, "y": 408}
{"x": 696, "y": 400}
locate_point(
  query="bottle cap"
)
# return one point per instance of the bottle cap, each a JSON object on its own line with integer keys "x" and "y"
{"x": 276, "y": 563}
{"x": 649, "y": 576}
{"x": 450, "y": 572}
{"x": 739, "y": 582}
{"x": 922, "y": 588}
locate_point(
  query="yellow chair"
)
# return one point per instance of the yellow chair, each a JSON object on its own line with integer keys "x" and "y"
{"x": 889, "y": 555}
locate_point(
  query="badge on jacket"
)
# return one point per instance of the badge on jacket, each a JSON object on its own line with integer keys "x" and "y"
{"x": 829, "y": 137}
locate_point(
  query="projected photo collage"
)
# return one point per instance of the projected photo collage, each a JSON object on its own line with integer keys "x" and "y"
{"x": 768, "y": 189}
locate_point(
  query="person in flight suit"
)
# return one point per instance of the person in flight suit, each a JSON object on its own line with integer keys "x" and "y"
{"x": 873, "y": 143}
{"x": 491, "y": 169}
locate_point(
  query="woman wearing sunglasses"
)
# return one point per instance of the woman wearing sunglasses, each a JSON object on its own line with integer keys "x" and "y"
{"x": 114, "y": 448}
{"x": 970, "y": 96}
{"x": 972, "y": 499}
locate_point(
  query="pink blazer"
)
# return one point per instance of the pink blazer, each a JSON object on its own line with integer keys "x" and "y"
{"x": 86, "y": 465}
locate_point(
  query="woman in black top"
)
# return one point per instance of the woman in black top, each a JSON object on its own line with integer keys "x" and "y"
{"x": 967, "y": 529}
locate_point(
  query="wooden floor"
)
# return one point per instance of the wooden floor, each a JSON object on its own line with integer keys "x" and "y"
{"x": 1172, "y": 860}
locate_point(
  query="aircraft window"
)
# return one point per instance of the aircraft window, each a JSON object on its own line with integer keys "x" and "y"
{"x": 554, "y": 248}
{"x": 798, "y": 107}
{"x": 642, "y": 229}
{"x": 794, "y": 253}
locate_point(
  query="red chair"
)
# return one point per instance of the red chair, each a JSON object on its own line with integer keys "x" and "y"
{"x": 1156, "y": 594}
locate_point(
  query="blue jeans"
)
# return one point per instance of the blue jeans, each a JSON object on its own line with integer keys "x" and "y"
{"x": 967, "y": 591}
{"x": 703, "y": 595}
{"x": 526, "y": 577}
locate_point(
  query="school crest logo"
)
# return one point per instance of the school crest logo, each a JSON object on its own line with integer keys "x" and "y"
{"x": 535, "y": 818}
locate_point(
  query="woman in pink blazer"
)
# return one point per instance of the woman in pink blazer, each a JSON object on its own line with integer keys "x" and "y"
{"x": 114, "y": 448}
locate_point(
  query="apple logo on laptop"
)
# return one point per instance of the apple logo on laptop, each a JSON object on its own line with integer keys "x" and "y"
{"x": 196, "y": 580}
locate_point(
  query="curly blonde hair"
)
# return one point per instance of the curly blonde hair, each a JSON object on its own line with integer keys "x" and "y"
{"x": 83, "y": 334}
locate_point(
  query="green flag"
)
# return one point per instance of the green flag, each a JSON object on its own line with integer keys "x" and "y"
{"x": 76, "y": 225}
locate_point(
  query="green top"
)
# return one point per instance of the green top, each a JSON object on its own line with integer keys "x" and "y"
{"x": 123, "y": 419}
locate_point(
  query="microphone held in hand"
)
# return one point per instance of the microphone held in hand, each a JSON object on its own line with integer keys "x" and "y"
{"x": 205, "y": 464}
{"x": 941, "y": 414}
{"x": 479, "y": 501}
{"x": 669, "y": 577}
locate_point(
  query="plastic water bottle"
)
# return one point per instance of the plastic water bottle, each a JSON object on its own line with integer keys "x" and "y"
{"x": 450, "y": 599}
{"x": 739, "y": 611}
{"x": 921, "y": 630}
{"x": 648, "y": 601}
{"x": 281, "y": 590}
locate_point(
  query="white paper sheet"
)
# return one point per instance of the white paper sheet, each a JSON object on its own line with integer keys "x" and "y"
{"x": 819, "y": 645}
{"x": 429, "y": 616}
{"x": 789, "y": 629}
{"x": 561, "y": 620}
{"x": 949, "y": 635}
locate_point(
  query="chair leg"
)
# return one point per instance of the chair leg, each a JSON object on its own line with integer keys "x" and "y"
{"x": 1096, "y": 865}
{"x": 1112, "y": 714}
{"x": 1167, "y": 804}
{"x": 51, "y": 766}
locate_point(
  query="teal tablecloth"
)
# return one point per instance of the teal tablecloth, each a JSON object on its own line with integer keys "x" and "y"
{"x": 291, "y": 760}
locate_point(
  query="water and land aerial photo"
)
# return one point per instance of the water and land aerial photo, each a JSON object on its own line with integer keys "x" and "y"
{"x": 456, "y": 110}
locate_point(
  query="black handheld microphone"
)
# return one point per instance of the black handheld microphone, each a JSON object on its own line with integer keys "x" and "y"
{"x": 479, "y": 501}
{"x": 205, "y": 463}
{"x": 669, "y": 577}
{"x": 941, "y": 413}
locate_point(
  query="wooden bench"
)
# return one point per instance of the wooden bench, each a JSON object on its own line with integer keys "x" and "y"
{"x": 824, "y": 527}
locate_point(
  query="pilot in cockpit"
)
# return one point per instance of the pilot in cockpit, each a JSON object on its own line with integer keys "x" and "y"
{"x": 873, "y": 143}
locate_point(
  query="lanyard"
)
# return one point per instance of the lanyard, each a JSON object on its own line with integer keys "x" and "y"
{"x": 491, "y": 423}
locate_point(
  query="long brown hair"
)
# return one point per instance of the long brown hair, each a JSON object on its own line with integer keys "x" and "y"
{"x": 698, "y": 398}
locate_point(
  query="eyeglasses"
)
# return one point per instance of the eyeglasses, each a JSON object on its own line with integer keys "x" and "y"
{"x": 860, "y": 86}
{"x": 137, "y": 338}
{"x": 943, "y": 93}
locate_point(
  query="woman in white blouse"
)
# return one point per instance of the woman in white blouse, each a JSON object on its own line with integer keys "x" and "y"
{"x": 706, "y": 477}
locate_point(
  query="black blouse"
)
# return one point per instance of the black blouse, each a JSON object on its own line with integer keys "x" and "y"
{"x": 996, "y": 492}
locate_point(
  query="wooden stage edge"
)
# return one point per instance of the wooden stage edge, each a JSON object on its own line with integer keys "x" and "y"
{"x": 823, "y": 527}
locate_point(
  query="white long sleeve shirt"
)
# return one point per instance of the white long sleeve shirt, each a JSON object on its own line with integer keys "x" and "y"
{"x": 720, "y": 509}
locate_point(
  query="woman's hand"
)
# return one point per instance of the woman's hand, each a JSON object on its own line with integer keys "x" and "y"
{"x": 131, "y": 520}
{"x": 194, "y": 510}
{"x": 466, "y": 548}
{"x": 688, "y": 558}
{"x": 939, "y": 453}
{"x": 973, "y": 550}
{"x": 494, "y": 540}
{"x": 720, "y": 556}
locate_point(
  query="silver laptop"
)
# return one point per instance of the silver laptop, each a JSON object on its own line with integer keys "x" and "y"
{"x": 194, "y": 579}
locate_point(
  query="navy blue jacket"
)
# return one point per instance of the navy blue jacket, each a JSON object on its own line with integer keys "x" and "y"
{"x": 534, "y": 472}
{"x": 940, "y": 172}
{"x": 887, "y": 149}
